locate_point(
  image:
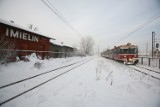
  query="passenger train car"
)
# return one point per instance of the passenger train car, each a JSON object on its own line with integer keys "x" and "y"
{"x": 125, "y": 53}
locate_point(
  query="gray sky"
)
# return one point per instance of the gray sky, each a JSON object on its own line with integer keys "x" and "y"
{"x": 107, "y": 21}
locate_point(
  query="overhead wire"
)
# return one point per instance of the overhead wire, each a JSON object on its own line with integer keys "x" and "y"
{"x": 55, "y": 11}
{"x": 140, "y": 27}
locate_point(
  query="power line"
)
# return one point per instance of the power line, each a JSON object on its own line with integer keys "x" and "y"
{"x": 55, "y": 9}
{"x": 140, "y": 27}
{"x": 60, "y": 16}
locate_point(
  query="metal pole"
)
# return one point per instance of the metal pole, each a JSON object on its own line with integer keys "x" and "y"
{"x": 147, "y": 49}
{"x": 152, "y": 44}
{"x": 153, "y": 40}
{"x": 159, "y": 63}
{"x": 142, "y": 61}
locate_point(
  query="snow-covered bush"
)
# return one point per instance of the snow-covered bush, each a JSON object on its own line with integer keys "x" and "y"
{"x": 36, "y": 61}
{"x": 38, "y": 65}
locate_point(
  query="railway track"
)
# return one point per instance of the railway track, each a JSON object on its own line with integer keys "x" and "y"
{"x": 152, "y": 73}
{"x": 32, "y": 77}
{"x": 60, "y": 71}
{"x": 146, "y": 71}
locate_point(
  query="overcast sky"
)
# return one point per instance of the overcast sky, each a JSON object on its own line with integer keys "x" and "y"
{"x": 107, "y": 21}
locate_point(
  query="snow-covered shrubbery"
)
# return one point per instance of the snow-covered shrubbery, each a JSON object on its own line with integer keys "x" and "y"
{"x": 33, "y": 58}
{"x": 38, "y": 65}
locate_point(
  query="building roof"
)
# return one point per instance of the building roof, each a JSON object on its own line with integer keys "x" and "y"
{"x": 55, "y": 42}
{"x": 20, "y": 27}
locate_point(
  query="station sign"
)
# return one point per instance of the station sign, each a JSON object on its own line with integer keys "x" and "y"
{"x": 21, "y": 35}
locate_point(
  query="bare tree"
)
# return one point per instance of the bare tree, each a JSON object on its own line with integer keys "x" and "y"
{"x": 87, "y": 44}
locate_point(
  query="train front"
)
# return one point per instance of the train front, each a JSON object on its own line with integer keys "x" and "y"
{"x": 129, "y": 54}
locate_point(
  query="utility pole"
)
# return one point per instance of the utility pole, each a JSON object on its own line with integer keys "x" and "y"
{"x": 153, "y": 43}
{"x": 146, "y": 49}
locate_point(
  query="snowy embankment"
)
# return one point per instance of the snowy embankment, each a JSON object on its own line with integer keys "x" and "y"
{"x": 98, "y": 83}
{"x": 19, "y": 70}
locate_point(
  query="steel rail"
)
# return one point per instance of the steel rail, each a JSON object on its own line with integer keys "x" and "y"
{"x": 25, "y": 79}
{"x": 145, "y": 73}
{"x": 24, "y": 92}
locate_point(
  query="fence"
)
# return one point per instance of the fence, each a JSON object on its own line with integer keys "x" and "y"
{"x": 150, "y": 62}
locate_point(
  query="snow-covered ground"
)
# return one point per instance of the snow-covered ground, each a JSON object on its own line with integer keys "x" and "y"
{"x": 97, "y": 83}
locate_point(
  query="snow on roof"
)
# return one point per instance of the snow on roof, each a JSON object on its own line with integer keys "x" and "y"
{"x": 55, "y": 42}
{"x": 126, "y": 46}
{"x": 11, "y": 23}
{"x": 68, "y": 46}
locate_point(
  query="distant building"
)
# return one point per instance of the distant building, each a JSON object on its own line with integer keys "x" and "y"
{"x": 59, "y": 50}
{"x": 55, "y": 51}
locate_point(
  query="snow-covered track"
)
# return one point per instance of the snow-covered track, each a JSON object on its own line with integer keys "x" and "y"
{"x": 42, "y": 83}
{"x": 25, "y": 79}
{"x": 148, "y": 69}
{"x": 152, "y": 73}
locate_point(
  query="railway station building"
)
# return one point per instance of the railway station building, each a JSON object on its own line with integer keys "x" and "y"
{"x": 22, "y": 41}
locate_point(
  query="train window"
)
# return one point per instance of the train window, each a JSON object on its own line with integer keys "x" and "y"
{"x": 133, "y": 51}
{"x": 124, "y": 51}
{"x": 136, "y": 51}
{"x": 117, "y": 51}
{"x": 121, "y": 51}
{"x": 129, "y": 51}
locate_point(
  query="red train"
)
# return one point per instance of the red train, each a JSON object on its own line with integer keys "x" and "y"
{"x": 125, "y": 53}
